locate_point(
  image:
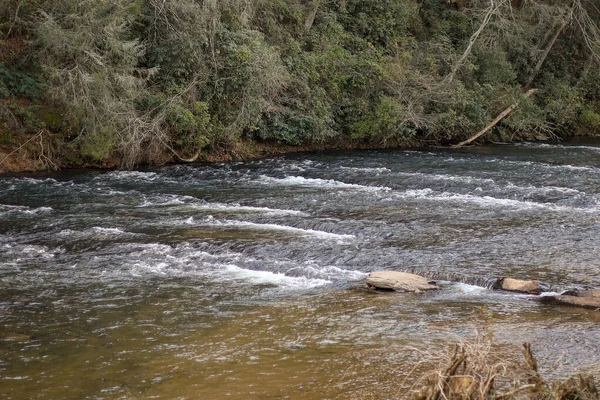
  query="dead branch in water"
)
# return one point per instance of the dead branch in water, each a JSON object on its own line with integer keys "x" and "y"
{"x": 476, "y": 371}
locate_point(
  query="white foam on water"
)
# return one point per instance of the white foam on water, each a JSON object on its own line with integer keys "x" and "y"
{"x": 577, "y": 168}
{"x": 140, "y": 269}
{"x": 539, "y": 165}
{"x": 451, "y": 178}
{"x": 108, "y": 231}
{"x": 592, "y": 148}
{"x": 520, "y": 164}
{"x": 377, "y": 170}
{"x": 165, "y": 200}
{"x": 417, "y": 193}
{"x": 543, "y": 189}
{"x": 274, "y": 227}
{"x": 198, "y": 204}
{"x": 218, "y": 268}
{"x": 469, "y": 290}
{"x": 272, "y": 278}
{"x": 486, "y": 201}
{"x": 130, "y": 175}
{"x": 95, "y": 231}
{"x": 328, "y": 272}
{"x": 558, "y": 146}
{"x": 234, "y": 207}
{"x": 4, "y": 208}
{"x": 30, "y": 251}
{"x": 34, "y": 181}
{"x": 333, "y": 272}
{"x": 318, "y": 183}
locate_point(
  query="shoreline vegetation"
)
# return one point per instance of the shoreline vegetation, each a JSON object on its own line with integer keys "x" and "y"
{"x": 121, "y": 84}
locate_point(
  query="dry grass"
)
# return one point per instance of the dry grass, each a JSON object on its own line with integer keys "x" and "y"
{"x": 478, "y": 370}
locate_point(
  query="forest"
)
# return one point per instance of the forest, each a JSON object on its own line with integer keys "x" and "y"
{"x": 135, "y": 82}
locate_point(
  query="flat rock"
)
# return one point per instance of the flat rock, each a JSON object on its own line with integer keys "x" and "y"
{"x": 399, "y": 281}
{"x": 517, "y": 285}
{"x": 590, "y": 302}
{"x": 589, "y": 293}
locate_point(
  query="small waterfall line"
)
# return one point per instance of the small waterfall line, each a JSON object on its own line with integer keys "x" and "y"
{"x": 453, "y": 277}
{"x": 484, "y": 282}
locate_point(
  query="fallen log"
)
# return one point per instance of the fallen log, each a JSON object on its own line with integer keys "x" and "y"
{"x": 495, "y": 122}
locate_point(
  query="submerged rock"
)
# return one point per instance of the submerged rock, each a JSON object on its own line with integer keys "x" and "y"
{"x": 399, "y": 281}
{"x": 517, "y": 285}
{"x": 586, "y": 299}
{"x": 14, "y": 337}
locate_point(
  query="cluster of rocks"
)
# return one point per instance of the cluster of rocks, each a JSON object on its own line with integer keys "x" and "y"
{"x": 407, "y": 282}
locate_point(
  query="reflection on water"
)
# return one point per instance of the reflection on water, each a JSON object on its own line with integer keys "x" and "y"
{"x": 244, "y": 280}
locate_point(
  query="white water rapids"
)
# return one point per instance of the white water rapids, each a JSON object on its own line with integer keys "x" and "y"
{"x": 243, "y": 280}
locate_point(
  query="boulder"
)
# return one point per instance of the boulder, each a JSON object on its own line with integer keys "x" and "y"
{"x": 517, "y": 285}
{"x": 577, "y": 301}
{"x": 586, "y": 299}
{"x": 399, "y": 281}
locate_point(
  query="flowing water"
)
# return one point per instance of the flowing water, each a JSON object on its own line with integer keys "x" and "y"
{"x": 244, "y": 280}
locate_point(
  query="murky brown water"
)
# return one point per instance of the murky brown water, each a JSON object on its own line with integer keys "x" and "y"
{"x": 244, "y": 281}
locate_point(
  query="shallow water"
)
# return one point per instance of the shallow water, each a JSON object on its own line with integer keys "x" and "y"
{"x": 245, "y": 280}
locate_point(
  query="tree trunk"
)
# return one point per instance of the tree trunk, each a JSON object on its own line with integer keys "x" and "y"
{"x": 492, "y": 9}
{"x": 495, "y": 122}
{"x": 558, "y": 30}
{"x": 312, "y": 15}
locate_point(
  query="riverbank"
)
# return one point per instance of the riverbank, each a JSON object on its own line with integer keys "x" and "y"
{"x": 25, "y": 153}
{"x": 30, "y": 153}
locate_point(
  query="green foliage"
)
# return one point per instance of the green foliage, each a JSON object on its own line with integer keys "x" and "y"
{"x": 178, "y": 40}
{"x": 589, "y": 123}
{"x": 492, "y": 68}
{"x": 5, "y": 137}
{"x": 139, "y": 78}
{"x": 193, "y": 127}
{"x": 381, "y": 23}
{"x": 385, "y": 122}
{"x": 16, "y": 83}
{"x": 92, "y": 65}
{"x": 563, "y": 102}
{"x": 527, "y": 119}
{"x": 27, "y": 114}
{"x": 290, "y": 128}
{"x": 98, "y": 146}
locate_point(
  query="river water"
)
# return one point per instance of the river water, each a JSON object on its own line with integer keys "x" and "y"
{"x": 244, "y": 280}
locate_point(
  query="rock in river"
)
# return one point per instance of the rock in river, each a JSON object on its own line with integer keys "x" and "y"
{"x": 399, "y": 281}
{"x": 517, "y": 285}
{"x": 586, "y": 299}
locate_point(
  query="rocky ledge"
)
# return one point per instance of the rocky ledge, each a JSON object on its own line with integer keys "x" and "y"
{"x": 399, "y": 281}
{"x": 586, "y": 299}
{"x": 407, "y": 282}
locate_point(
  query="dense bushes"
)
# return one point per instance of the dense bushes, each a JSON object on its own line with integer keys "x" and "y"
{"x": 139, "y": 79}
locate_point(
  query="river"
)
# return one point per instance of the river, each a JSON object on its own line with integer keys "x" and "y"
{"x": 244, "y": 280}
